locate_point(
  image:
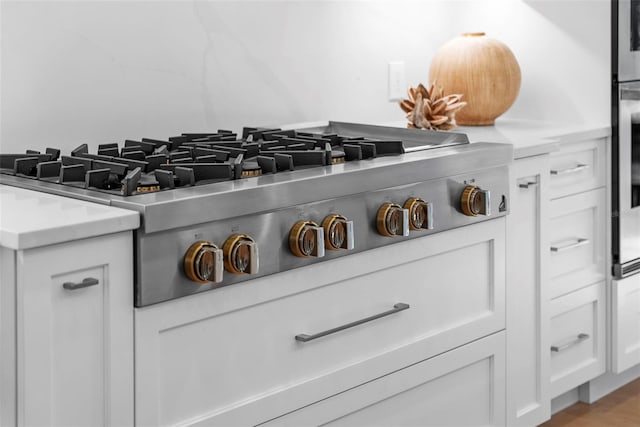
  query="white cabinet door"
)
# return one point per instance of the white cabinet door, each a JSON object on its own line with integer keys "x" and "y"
{"x": 625, "y": 323}
{"x": 527, "y": 298}
{"x": 75, "y": 346}
{"x": 462, "y": 387}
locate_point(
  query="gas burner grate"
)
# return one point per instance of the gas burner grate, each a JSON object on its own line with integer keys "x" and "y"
{"x": 197, "y": 158}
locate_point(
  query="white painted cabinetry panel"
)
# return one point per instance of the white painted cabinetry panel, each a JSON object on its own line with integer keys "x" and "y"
{"x": 626, "y": 323}
{"x": 527, "y": 293}
{"x": 7, "y": 337}
{"x": 75, "y": 346}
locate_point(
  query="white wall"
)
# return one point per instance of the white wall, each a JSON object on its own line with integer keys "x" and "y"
{"x": 96, "y": 72}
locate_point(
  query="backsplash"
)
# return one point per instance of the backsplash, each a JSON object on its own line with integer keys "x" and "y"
{"x": 103, "y": 71}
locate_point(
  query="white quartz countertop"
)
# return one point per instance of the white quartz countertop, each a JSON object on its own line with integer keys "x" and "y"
{"x": 529, "y": 137}
{"x": 30, "y": 219}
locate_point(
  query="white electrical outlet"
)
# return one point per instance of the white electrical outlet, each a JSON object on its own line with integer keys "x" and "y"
{"x": 397, "y": 83}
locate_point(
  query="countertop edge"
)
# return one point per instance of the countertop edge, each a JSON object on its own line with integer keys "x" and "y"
{"x": 52, "y": 236}
{"x": 596, "y": 132}
{"x": 551, "y": 144}
{"x": 98, "y": 220}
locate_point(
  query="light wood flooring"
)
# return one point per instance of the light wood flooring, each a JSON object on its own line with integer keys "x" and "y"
{"x": 618, "y": 409}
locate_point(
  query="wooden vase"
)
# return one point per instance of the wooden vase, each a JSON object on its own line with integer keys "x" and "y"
{"x": 481, "y": 68}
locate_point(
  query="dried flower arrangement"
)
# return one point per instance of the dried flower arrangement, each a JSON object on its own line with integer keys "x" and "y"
{"x": 431, "y": 109}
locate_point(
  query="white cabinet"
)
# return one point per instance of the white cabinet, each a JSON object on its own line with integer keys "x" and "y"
{"x": 73, "y": 307}
{"x": 578, "y": 252}
{"x": 556, "y": 272}
{"x": 66, "y": 311}
{"x": 462, "y": 387}
{"x": 625, "y": 328}
{"x": 230, "y": 357}
{"x": 527, "y": 294}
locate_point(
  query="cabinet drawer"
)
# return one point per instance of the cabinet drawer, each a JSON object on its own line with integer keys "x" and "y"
{"x": 577, "y": 338}
{"x": 201, "y": 346}
{"x": 577, "y": 246}
{"x": 577, "y": 167}
{"x": 421, "y": 394}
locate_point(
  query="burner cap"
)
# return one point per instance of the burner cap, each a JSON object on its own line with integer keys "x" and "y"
{"x": 250, "y": 169}
{"x": 147, "y": 188}
{"x": 337, "y": 157}
{"x": 147, "y": 184}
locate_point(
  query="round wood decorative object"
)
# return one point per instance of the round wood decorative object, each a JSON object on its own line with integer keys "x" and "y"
{"x": 481, "y": 68}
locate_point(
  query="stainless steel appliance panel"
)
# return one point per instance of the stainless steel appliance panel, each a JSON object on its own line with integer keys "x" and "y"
{"x": 160, "y": 275}
{"x": 628, "y": 33}
{"x": 627, "y": 240}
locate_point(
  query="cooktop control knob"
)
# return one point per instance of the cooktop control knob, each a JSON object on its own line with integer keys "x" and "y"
{"x": 338, "y": 232}
{"x": 306, "y": 239}
{"x": 203, "y": 263}
{"x": 392, "y": 220}
{"x": 475, "y": 201}
{"x": 420, "y": 214}
{"x": 240, "y": 254}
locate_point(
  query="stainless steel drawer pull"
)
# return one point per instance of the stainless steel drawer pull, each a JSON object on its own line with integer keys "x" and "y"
{"x": 566, "y": 345}
{"x": 89, "y": 281}
{"x": 527, "y": 184}
{"x": 396, "y": 308}
{"x": 578, "y": 242}
{"x": 578, "y": 168}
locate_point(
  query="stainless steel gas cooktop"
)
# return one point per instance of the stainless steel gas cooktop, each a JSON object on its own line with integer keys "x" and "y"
{"x": 238, "y": 206}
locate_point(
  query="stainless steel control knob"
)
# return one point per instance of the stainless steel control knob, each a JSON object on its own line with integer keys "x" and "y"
{"x": 306, "y": 239}
{"x": 240, "y": 254}
{"x": 475, "y": 201}
{"x": 338, "y": 232}
{"x": 392, "y": 220}
{"x": 203, "y": 263}
{"x": 420, "y": 214}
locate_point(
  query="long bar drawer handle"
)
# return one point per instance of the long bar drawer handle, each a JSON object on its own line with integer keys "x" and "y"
{"x": 574, "y": 169}
{"x": 578, "y": 339}
{"x": 396, "y": 308}
{"x": 578, "y": 242}
{"x": 527, "y": 184}
{"x": 89, "y": 281}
